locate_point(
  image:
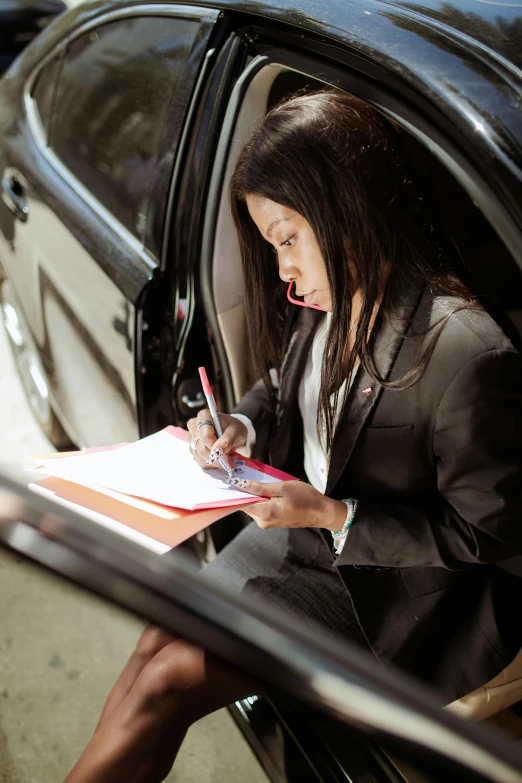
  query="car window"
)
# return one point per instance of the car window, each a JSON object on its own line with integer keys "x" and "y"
{"x": 43, "y": 90}
{"x": 117, "y": 85}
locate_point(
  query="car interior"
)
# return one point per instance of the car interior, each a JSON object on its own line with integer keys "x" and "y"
{"x": 487, "y": 267}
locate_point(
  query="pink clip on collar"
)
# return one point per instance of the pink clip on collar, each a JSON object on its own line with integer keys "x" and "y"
{"x": 298, "y": 302}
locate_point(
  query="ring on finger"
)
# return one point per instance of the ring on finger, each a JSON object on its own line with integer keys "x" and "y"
{"x": 204, "y": 423}
{"x": 193, "y": 442}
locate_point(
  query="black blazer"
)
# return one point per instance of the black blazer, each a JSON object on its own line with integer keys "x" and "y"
{"x": 437, "y": 470}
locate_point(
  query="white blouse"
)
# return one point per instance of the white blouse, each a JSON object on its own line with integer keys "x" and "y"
{"x": 316, "y": 460}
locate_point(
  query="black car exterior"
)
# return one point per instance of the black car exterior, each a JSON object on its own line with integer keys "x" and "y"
{"x": 106, "y": 220}
{"x": 20, "y": 22}
{"x": 352, "y": 700}
{"x": 112, "y": 213}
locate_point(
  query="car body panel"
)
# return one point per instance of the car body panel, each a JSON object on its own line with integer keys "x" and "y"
{"x": 77, "y": 284}
{"x": 78, "y": 273}
{"x": 455, "y": 67}
{"x": 431, "y": 47}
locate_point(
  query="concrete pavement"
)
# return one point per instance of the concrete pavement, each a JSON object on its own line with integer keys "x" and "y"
{"x": 62, "y": 648}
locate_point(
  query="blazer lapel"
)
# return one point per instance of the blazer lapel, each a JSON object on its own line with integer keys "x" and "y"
{"x": 285, "y": 441}
{"x": 365, "y": 391}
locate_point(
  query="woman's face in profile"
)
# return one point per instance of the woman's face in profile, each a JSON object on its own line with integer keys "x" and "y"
{"x": 299, "y": 257}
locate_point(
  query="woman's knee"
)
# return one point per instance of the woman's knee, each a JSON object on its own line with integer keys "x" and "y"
{"x": 175, "y": 673}
{"x": 186, "y": 679}
{"x": 151, "y": 642}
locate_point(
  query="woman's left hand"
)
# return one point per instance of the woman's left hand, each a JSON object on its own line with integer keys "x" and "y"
{"x": 292, "y": 504}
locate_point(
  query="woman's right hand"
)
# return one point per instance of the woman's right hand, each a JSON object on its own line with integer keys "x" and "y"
{"x": 208, "y": 447}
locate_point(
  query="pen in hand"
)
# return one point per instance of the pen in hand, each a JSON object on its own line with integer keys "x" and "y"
{"x": 207, "y": 391}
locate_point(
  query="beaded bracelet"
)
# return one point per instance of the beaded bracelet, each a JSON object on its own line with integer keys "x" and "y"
{"x": 339, "y": 536}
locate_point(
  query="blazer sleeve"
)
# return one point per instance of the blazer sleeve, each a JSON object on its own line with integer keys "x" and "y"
{"x": 258, "y": 407}
{"x": 477, "y": 444}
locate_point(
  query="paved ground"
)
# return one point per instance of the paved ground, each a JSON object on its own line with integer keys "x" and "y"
{"x": 61, "y": 649}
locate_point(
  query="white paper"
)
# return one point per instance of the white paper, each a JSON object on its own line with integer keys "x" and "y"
{"x": 158, "y": 468}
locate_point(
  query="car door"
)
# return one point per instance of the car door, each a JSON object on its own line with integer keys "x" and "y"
{"x": 392, "y": 729}
{"x": 93, "y": 179}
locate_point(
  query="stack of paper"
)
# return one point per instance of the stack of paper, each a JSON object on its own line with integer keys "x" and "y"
{"x": 152, "y": 491}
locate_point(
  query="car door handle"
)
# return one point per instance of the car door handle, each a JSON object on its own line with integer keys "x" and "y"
{"x": 13, "y": 197}
{"x": 197, "y": 403}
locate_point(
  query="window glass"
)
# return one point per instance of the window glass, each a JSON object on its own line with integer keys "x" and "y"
{"x": 117, "y": 85}
{"x": 43, "y": 90}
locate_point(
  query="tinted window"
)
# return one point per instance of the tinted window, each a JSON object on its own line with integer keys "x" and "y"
{"x": 43, "y": 90}
{"x": 117, "y": 85}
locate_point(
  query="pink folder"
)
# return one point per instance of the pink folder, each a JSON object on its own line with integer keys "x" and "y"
{"x": 157, "y": 522}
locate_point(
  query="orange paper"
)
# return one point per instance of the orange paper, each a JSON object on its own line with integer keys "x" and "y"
{"x": 166, "y": 525}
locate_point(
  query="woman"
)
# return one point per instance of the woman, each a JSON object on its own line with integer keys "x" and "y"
{"x": 396, "y": 399}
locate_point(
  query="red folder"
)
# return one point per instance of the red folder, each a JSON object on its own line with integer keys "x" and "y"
{"x": 159, "y": 523}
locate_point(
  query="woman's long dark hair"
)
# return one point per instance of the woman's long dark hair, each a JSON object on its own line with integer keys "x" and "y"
{"x": 334, "y": 160}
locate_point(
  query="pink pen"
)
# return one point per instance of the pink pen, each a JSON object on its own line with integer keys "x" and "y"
{"x": 207, "y": 391}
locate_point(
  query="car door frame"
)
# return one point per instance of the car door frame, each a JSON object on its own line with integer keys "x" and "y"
{"x": 414, "y": 118}
{"x": 182, "y": 248}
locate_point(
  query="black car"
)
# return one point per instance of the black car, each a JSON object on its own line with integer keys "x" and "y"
{"x": 20, "y": 22}
{"x": 119, "y": 127}
{"x": 121, "y": 261}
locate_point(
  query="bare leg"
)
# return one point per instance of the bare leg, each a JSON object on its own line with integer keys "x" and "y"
{"x": 152, "y": 640}
{"x": 149, "y": 711}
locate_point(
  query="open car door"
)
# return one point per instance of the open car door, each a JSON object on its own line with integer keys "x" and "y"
{"x": 319, "y": 674}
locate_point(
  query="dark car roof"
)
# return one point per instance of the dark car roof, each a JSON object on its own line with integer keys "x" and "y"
{"x": 495, "y": 24}
{"x": 465, "y": 56}
{"x": 459, "y": 64}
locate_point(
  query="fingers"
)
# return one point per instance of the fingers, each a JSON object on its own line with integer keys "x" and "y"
{"x": 203, "y": 434}
{"x": 225, "y": 443}
{"x": 266, "y": 514}
{"x": 202, "y": 461}
{"x": 205, "y": 447}
{"x": 271, "y": 490}
{"x": 210, "y": 461}
{"x": 217, "y": 456}
{"x": 206, "y": 432}
{"x": 206, "y": 459}
{"x": 234, "y": 434}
